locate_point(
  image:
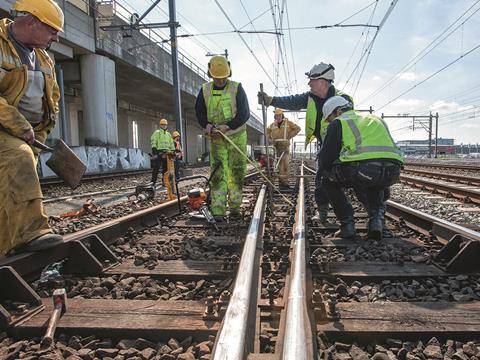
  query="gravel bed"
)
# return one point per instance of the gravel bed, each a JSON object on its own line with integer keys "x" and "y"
{"x": 452, "y": 288}
{"x": 53, "y": 191}
{"x": 403, "y": 195}
{"x": 131, "y": 287}
{"x": 398, "y": 349}
{"x": 374, "y": 251}
{"x": 90, "y": 348}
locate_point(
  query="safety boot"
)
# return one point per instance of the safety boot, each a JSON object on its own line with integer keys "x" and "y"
{"x": 375, "y": 224}
{"x": 322, "y": 213}
{"x": 234, "y": 212}
{"x": 347, "y": 229}
{"x": 41, "y": 243}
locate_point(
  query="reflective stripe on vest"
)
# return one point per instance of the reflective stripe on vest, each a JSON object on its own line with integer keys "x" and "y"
{"x": 221, "y": 104}
{"x": 360, "y": 136}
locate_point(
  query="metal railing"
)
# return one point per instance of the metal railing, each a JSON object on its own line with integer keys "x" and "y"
{"x": 232, "y": 337}
{"x": 154, "y": 36}
{"x": 298, "y": 339}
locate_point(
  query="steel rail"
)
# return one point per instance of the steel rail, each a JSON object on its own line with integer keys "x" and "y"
{"x": 56, "y": 181}
{"x": 446, "y": 166}
{"x": 467, "y": 195}
{"x": 298, "y": 339}
{"x": 469, "y": 180}
{"x": 108, "y": 232}
{"x": 231, "y": 342}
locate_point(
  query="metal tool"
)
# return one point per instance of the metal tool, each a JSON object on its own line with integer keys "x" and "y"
{"x": 59, "y": 298}
{"x": 64, "y": 162}
{"x": 197, "y": 202}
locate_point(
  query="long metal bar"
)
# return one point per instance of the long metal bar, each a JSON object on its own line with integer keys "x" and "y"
{"x": 231, "y": 342}
{"x": 469, "y": 180}
{"x": 155, "y": 3}
{"x": 447, "y": 166}
{"x": 298, "y": 341}
{"x": 175, "y": 74}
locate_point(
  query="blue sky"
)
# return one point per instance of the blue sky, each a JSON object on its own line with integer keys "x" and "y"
{"x": 412, "y": 25}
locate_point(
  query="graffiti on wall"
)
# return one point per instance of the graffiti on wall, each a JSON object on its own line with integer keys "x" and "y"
{"x": 103, "y": 160}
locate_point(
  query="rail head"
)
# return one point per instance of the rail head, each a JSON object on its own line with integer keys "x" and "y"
{"x": 231, "y": 340}
{"x": 298, "y": 339}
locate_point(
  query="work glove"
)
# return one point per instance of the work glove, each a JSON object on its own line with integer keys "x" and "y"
{"x": 263, "y": 98}
{"x": 222, "y": 128}
{"x": 209, "y": 128}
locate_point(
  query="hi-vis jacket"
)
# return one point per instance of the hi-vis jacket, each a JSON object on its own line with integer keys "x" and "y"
{"x": 13, "y": 84}
{"x": 281, "y": 135}
{"x": 162, "y": 140}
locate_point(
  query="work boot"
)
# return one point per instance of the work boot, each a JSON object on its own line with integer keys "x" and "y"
{"x": 41, "y": 243}
{"x": 235, "y": 212}
{"x": 219, "y": 218}
{"x": 322, "y": 213}
{"x": 375, "y": 224}
{"x": 347, "y": 229}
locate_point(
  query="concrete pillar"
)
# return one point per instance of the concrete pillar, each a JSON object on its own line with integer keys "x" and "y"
{"x": 99, "y": 100}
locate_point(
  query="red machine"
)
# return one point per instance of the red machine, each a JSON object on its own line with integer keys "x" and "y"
{"x": 197, "y": 202}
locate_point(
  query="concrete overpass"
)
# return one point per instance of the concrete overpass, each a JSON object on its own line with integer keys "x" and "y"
{"x": 116, "y": 88}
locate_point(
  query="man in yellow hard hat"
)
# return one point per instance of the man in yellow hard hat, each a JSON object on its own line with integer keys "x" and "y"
{"x": 162, "y": 142}
{"x": 279, "y": 134}
{"x": 178, "y": 153}
{"x": 29, "y": 97}
{"x": 222, "y": 106}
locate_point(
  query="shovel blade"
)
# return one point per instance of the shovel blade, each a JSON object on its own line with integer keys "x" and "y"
{"x": 66, "y": 165}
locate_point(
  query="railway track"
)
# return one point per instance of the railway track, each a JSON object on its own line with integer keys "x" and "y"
{"x": 298, "y": 292}
{"x": 444, "y": 166}
{"x": 466, "y": 193}
{"x": 461, "y": 179}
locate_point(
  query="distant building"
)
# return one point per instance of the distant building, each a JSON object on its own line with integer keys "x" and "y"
{"x": 420, "y": 147}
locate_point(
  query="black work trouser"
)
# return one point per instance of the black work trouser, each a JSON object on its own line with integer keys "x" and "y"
{"x": 321, "y": 195}
{"x": 369, "y": 178}
{"x": 156, "y": 164}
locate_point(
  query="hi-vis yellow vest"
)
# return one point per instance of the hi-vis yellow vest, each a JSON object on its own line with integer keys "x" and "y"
{"x": 365, "y": 138}
{"x": 311, "y": 118}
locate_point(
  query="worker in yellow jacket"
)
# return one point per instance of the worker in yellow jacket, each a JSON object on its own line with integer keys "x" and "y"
{"x": 162, "y": 142}
{"x": 29, "y": 97}
{"x": 279, "y": 133}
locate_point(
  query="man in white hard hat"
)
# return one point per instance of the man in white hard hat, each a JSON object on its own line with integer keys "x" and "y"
{"x": 279, "y": 133}
{"x": 358, "y": 152}
{"x": 29, "y": 97}
{"x": 321, "y": 77}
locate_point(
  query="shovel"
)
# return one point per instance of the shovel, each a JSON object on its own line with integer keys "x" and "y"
{"x": 64, "y": 163}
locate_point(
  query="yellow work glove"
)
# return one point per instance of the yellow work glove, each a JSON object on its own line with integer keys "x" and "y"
{"x": 263, "y": 98}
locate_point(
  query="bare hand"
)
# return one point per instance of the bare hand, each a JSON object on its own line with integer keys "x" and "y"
{"x": 29, "y": 136}
{"x": 223, "y": 128}
{"x": 208, "y": 129}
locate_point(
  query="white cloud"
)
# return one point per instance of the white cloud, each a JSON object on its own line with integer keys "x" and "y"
{"x": 442, "y": 105}
{"x": 376, "y": 78}
{"x": 407, "y": 76}
{"x": 408, "y": 104}
{"x": 470, "y": 126}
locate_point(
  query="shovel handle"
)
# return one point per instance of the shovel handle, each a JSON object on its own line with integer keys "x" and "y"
{"x": 39, "y": 145}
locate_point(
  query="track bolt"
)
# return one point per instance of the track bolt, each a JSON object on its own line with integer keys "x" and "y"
{"x": 271, "y": 292}
{"x": 210, "y": 312}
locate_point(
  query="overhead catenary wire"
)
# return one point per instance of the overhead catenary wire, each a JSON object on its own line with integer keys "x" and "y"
{"x": 431, "y": 76}
{"x": 425, "y": 51}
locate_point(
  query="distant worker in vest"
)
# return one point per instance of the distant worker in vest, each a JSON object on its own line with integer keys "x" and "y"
{"x": 162, "y": 142}
{"x": 222, "y": 106}
{"x": 358, "y": 152}
{"x": 29, "y": 96}
{"x": 178, "y": 153}
{"x": 279, "y": 134}
{"x": 321, "y": 78}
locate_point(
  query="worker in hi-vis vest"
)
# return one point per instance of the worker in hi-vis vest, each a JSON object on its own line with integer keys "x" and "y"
{"x": 222, "y": 106}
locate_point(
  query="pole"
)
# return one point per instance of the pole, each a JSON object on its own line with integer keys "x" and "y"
{"x": 436, "y": 135}
{"x": 176, "y": 81}
{"x": 430, "y": 136}
{"x": 64, "y": 124}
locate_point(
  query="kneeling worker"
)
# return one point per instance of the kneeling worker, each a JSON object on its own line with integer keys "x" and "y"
{"x": 279, "y": 134}
{"x": 358, "y": 152}
{"x": 29, "y": 104}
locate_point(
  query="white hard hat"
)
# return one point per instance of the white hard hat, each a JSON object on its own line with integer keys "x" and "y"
{"x": 332, "y": 103}
{"x": 321, "y": 71}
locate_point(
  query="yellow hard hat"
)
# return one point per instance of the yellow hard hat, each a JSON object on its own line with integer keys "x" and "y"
{"x": 47, "y": 11}
{"x": 163, "y": 122}
{"x": 219, "y": 67}
{"x": 278, "y": 111}
{"x": 175, "y": 134}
